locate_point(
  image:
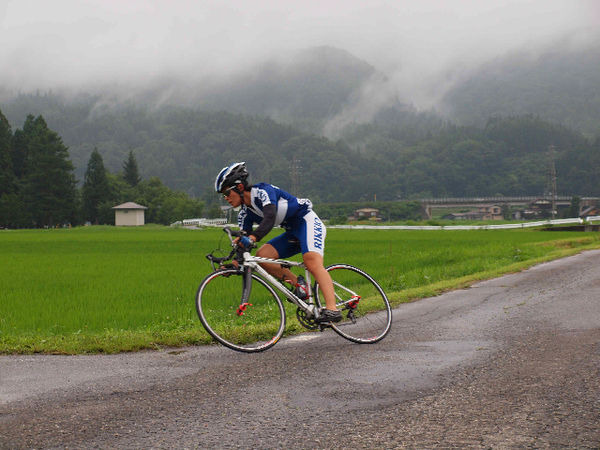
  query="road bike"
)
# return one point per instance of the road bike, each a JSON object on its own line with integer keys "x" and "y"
{"x": 239, "y": 307}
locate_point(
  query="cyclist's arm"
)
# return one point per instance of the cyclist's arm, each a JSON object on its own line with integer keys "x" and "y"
{"x": 266, "y": 224}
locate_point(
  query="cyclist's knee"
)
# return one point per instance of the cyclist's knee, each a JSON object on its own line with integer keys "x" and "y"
{"x": 313, "y": 261}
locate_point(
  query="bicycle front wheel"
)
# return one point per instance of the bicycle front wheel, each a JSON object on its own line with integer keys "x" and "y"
{"x": 251, "y": 326}
{"x": 366, "y": 311}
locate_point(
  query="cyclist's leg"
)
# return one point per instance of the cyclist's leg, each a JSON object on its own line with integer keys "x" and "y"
{"x": 314, "y": 263}
{"x": 279, "y": 247}
{"x": 311, "y": 233}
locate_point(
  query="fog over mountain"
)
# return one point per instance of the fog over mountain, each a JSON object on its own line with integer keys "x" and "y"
{"x": 236, "y": 55}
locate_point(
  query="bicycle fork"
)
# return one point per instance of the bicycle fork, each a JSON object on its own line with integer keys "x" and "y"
{"x": 246, "y": 289}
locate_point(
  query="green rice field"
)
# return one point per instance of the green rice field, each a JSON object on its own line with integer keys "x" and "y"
{"x": 107, "y": 289}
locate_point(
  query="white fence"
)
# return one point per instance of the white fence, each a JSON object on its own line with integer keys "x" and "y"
{"x": 201, "y": 222}
{"x": 506, "y": 226}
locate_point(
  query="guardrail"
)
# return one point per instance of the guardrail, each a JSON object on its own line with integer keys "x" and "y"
{"x": 506, "y": 226}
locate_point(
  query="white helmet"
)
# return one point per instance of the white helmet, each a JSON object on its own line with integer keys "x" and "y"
{"x": 230, "y": 176}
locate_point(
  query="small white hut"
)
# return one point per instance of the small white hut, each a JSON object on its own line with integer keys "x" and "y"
{"x": 129, "y": 214}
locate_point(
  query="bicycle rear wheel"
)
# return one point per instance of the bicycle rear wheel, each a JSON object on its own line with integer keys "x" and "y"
{"x": 253, "y": 326}
{"x": 366, "y": 311}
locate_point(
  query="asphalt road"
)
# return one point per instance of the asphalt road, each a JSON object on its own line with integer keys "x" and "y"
{"x": 510, "y": 362}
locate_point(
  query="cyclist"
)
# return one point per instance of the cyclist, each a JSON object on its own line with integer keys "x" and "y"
{"x": 268, "y": 206}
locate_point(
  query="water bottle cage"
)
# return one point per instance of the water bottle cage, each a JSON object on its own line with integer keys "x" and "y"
{"x": 303, "y": 288}
{"x": 297, "y": 285}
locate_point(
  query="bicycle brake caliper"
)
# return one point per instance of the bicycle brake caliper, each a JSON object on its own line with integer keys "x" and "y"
{"x": 242, "y": 308}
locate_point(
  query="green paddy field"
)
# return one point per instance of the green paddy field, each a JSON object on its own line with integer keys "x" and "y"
{"x": 107, "y": 289}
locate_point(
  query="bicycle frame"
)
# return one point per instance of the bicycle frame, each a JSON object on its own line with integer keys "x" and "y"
{"x": 252, "y": 263}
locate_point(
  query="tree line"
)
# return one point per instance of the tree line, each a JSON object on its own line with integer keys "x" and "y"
{"x": 38, "y": 187}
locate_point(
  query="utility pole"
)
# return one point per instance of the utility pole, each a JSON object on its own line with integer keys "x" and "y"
{"x": 551, "y": 178}
{"x": 295, "y": 175}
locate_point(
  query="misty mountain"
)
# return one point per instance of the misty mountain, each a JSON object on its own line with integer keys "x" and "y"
{"x": 304, "y": 88}
{"x": 307, "y": 86}
{"x": 561, "y": 85}
{"x": 310, "y": 88}
{"x": 313, "y": 88}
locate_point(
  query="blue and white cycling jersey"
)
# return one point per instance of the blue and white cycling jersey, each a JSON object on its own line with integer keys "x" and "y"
{"x": 263, "y": 194}
{"x": 304, "y": 230}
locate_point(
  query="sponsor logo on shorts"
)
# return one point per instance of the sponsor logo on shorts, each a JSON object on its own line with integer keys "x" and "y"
{"x": 318, "y": 227}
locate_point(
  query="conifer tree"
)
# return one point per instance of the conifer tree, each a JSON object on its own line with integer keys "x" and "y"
{"x": 9, "y": 208}
{"x": 20, "y": 147}
{"x": 95, "y": 188}
{"x": 49, "y": 185}
{"x": 130, "y": 170}
{"x": 7, "y": 176}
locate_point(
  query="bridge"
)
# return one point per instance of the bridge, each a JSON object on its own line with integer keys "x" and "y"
{"x": 475, "y": 202}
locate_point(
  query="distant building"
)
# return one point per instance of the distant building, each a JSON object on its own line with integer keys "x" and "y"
{"x": 589, "y": 211}
{"x": 129, "y": 214}
{"x": 538, "y": 209}
{"x": 491, "y": 212}
{"x": 366, "y": 213}
{"x": 484, "y": 212}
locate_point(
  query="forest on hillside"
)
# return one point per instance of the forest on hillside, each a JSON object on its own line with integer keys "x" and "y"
{"x": 404, "y": 155}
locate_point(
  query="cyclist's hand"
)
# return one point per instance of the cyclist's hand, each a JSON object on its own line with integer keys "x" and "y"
{"x": 246, "y": 242}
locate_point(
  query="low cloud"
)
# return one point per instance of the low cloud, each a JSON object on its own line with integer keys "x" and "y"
{"x": 422, "y": 47}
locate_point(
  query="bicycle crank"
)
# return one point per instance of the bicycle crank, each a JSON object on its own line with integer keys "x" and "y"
{"x": 305, "y": 321}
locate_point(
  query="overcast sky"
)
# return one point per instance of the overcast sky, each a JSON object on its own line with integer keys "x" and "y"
{"x": 50, "y": 44}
